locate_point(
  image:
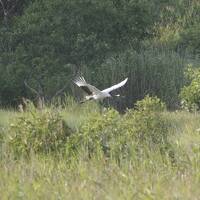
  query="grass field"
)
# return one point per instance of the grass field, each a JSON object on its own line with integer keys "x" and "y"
{"x": 152, "y": 176}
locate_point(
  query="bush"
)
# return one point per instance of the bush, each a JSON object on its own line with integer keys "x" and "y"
{"x": 151, "y": 104}
{"x": 116, "y": 136}
{"x": 96, "y": 134}
{"x": 38, "y": 131}
{"x": 190, "y": 95}
{"x": 149, "y": 127}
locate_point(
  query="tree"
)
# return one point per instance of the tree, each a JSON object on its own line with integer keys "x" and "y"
{"x": 55, "y": 39}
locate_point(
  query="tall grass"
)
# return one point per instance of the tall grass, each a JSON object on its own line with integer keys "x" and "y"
{"x": 75, "y": 113}
{"x": 150, "y": 176}
{"x": 156, "y": 71}
{"x": 6, "y": 116}
{"x": 46, "y": 178}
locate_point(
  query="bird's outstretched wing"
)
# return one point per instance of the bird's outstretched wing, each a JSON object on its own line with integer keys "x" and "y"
{"x": 89, "y": 89}
{"x": 114, "y": 87}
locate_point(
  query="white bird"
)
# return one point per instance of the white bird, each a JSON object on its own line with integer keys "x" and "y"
{"x": 93, "y": 92}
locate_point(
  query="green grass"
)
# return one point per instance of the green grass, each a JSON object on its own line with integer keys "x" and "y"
{"x": 148, "y": 177}
{"x": 75, "y": 114}
{"x": 6, "y": 116}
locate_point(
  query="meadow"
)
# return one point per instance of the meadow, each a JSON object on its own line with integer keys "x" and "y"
{"x": 133, "y": 147}
{"x": 140, "y": 163}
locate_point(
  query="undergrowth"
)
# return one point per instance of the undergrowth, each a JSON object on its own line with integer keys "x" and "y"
{"x": 142, "y": 154}
{"x": 38, "y": 131}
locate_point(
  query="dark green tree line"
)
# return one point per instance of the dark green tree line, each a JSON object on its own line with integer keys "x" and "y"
{"x": 46, "y": 43}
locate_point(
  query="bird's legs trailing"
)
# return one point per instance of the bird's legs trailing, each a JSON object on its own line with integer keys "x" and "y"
{"x": 87, "y": 98}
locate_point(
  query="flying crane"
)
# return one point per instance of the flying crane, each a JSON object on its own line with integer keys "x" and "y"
{"x": 93, "y": 92}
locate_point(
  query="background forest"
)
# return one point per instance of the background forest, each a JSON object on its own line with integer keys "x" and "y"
{"x": 47, "y": 43}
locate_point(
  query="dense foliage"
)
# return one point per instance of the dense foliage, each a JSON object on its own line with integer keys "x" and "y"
{"x": 109, "y": 134}
{"x": 105, "y": 133}
{"x": 38, "y": 131}
{"x": 147, "y": 153}
{"x": 47, "y": 43}
{"x": 190, "y": 94}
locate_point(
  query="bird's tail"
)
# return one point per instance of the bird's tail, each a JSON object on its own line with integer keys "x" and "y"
{"x": 87, "y": 99}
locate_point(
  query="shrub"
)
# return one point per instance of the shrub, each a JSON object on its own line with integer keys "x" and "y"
{"x": 149, "y": 127}
{"x": 96, "y": 134}
{"x": 122, "y": 136}
{"x": 150, "y": 104}
{"x": 190, "y": 94}
{"x": 38, "y": 131}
